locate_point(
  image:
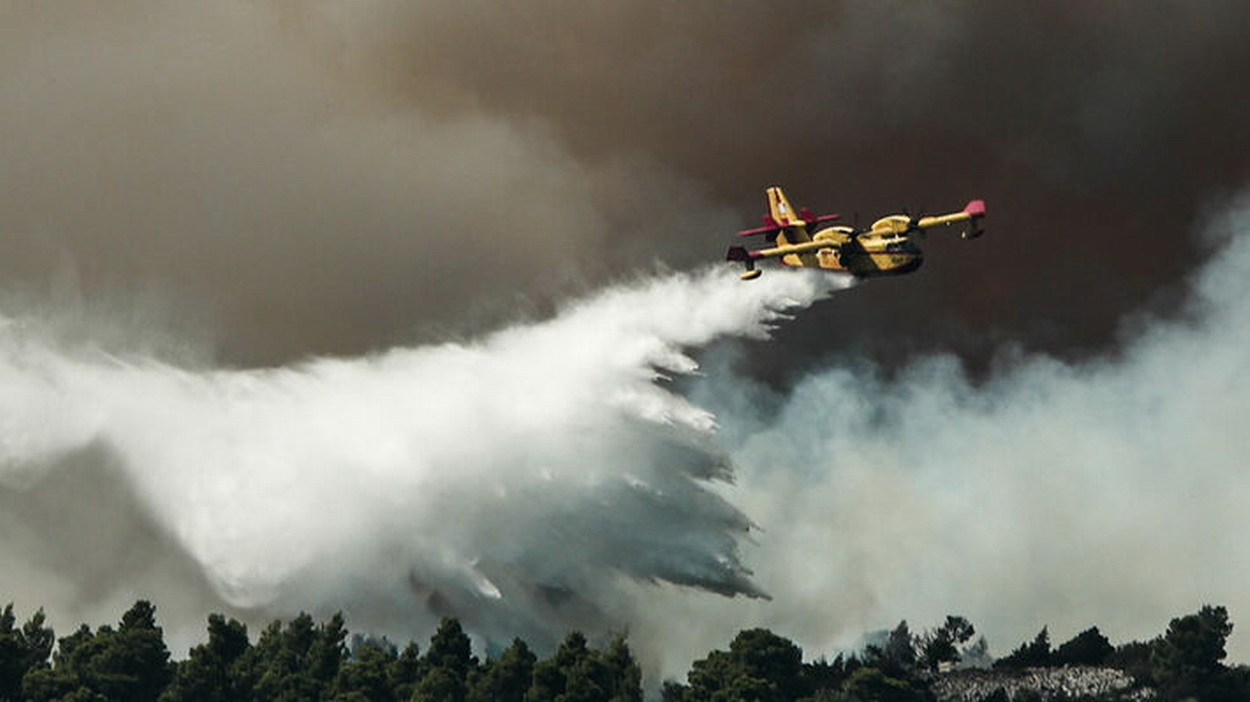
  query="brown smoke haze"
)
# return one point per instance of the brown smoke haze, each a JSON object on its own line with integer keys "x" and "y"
{"x": 1097, "y": 131}
{"x": 227, "y": 160}
{"x": 297, "y": 179}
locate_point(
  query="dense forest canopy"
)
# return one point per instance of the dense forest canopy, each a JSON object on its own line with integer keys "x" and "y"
{"x": 320, "y": 661}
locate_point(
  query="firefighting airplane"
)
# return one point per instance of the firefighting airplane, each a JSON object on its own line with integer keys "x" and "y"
{"x": 888, "y": 248}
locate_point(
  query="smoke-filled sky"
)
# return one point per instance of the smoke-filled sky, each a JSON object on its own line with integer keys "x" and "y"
{"x": 294, "y": 179}
{"x": 197, "y": 199}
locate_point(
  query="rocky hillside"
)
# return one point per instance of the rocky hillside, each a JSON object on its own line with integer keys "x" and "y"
{"x": 1050, "y": 683}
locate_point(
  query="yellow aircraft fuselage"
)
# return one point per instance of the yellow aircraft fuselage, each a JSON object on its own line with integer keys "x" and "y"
{"x": 887, "y": 248}
{"x": 839, "y": 249}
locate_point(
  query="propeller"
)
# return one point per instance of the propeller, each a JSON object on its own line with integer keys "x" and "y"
{"x": 913, "y": 222}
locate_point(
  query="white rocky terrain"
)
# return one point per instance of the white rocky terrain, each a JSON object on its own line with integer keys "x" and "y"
{"x": 1067, "y": 682}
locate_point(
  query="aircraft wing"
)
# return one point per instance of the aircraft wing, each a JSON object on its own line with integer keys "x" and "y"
{"x": 825, "y": 240}
{"x": 972, "y": 213}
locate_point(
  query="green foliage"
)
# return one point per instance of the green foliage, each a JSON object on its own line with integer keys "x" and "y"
{"x": 440, "y": 685}
{"x": 872, "y": 685}
{"x": 297, "y": 663}
{"x": 305, "y": 661}
{"x": 547, "y": 683}
{"x": 406, "y": 671}
{"x": 507, "y": 679}
{"x": 366, "y": 676}
{"x": 1193, "y": 646}
{"x": 942, "y": 646}
{"x": 133, "y": 662}
{"x": 1186, "y": 661}
{"x": 1134, "y": 659}
{"x": 714, "y": 678}
{"x": 673, "y": 691}
{"x": 624, "y": 676}
{"x": 822, "y": 675}
{"x": 451, "y": 649}
{"x": 328, "y": 651}
{"x": 212, "y": 672}
{"x": 22, "y": 650}
{"x": 1029, "y": 655}
{"x": 759, "y": 666}
{"x": 446, "y": 665}
{"x": 48, "y": 684}
{"x": 774, "y": 659}
{"x": 1089, "y": 647}
{"x": 578, "y": 674}
{"x": 129, "y": 663}
{"x": 63, "y": 679}
{"x": 899, "y": 653}
{"x": 584, "y": 682}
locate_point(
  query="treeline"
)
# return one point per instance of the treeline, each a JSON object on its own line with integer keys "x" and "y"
{"x": 1185, "y": 663}
{"x": 306, "y": 661}
{"x": 300, "y": 661}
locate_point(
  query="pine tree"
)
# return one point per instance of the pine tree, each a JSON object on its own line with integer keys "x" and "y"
{"x": 1029, "y": 655}
{"x": 506, "y": 679}
{"x": 22, "y": 650}
{"x": 447, "y": 665}
{"x": 212, "y": 672}
{"x": 365, "y": 676}
{"x": 1089, "y": 647}
{"x": 624, "y": 675}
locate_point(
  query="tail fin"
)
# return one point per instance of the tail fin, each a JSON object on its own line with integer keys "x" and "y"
{"x": 780, "y": 209}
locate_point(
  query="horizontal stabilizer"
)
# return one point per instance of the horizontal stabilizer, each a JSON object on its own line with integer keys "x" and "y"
{"x": 770, "y": 225}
